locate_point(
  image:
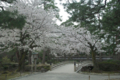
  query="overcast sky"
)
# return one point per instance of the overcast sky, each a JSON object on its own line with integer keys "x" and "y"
{"x": 62, "y": 12}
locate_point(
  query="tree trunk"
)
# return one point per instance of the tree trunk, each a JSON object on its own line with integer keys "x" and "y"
{"x": 29, "y": 58}
{"x": 64, "y": 57}
{"x": 17, "y": 55}
{"x": 43, "y": 57}
{"x": 93, "y": 58}
{"x": 21, "y": 63}
{"x": 12, "y": 57}
{"x": 100, "y": 57}
{"x": 96, "y": 67}
{"x": 87, "y": 57}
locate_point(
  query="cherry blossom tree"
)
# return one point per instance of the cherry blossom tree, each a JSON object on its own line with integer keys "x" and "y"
{"x": 40, "y": 32}
{"x": 39, "y": 23}
{"x": 80, "y": 39}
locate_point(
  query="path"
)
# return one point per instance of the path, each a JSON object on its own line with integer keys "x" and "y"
{"x": 65, "y": 72}
{"x": 68, "y": 68}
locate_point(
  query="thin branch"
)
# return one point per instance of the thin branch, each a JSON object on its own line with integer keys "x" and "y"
{"x": 80, "y": 40}
{"x": 2, "y": 8}
{"x": 100, "y": 7}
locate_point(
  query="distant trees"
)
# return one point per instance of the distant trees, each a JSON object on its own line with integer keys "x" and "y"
{"x": 98, "y": 15}
{"x": 80, "y": 39}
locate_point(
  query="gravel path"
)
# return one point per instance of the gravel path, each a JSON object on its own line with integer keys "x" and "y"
{"x": 65, "y": 72}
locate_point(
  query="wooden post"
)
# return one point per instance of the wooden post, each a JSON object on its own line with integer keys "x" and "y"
{"x": 89, "y": 77}
{"x": 108, "y": 76}
{"x": 35, "y": 64}
{"x": 20, "y": 73}
{"x": 5, "y": 77}
{"x": 32, "y": 61}
{"x": 74, "y": 66}
{"x": 32, "y": 67}
{"x": 50, "y": 66}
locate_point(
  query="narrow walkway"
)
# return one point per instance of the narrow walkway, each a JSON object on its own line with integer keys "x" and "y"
{"x": 67, "y": 68}
{"x": 65, "y": 72}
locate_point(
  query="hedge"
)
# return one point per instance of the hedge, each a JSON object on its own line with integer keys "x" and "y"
{"x": 109, "y": 65}
{"x": 40, "y": 68}
{"x": 9, "y": 66}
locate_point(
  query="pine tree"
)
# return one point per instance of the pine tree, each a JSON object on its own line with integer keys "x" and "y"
{"x": 86, "y": 13}
{"x": 10, "y": 19}
{"x": 111, "y": 24}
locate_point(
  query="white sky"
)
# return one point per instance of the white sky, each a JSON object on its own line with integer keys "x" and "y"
{"x": 62, "y": 12}
{"x": 64, "y": 15}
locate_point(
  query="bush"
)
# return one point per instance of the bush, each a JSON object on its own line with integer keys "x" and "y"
{"x": 41, "y": 68}
{"x": 109, "y": 65}
{"x": 5, "y": 63}
{"x": 5, "y": 60}
{"x": 5, "y": 67}
{"x": 26, "y": 63}
{"x": 87, "y": 68}
{"x": 13, "y": 65}
{"x": 28, "y": 68}
{"x": 10, "y": 66}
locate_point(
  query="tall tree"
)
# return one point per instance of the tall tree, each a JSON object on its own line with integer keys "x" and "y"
{"x": 10, "y": 19}
{"x": 85, "y": 13}
{"x": 50, "y": 4}
{"x": 110, "y": 23}
{"x": 33, "y": 35}
{"x": 80, "y": 39}
{"x": 97, "y": 15}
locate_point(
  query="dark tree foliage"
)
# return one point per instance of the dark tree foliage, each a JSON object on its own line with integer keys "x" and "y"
{"x": 111, "y": 18}
{"x": 9, "y": 1}
{"x": 11, "y": 20}
{"x": 97, "y": 15}
{"x": 51, "y": 4}
{"x": 86, "y": 12}
{"x": 111, "y": 24}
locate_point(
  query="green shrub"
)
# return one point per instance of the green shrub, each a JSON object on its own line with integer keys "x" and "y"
{"x": 44, "y": 67}
{"x": 47, "y": 68}
{"x": 13, "y": 65}
{"x": 10, "y": 66}
{"x": 39, "y": 67}
{"x": 5, "y": 60}
{"x": 26, "y": 63}
{"x": 109, "y": 65}
{"x": 28, "y": 68}
{"x": 7, "y": 65}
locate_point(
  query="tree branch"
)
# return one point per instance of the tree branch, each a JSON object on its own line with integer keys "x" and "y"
{"x": 100, "y": 7}
{"x": 2, "y": 8}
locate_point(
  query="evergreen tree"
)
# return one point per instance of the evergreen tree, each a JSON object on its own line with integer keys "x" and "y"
{"x": 86, "y": 13}
{"x": 10, "y": 19}
{"x": 111, "y": 24}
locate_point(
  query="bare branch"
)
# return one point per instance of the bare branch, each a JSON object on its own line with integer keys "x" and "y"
{"x": 2, "y": 8}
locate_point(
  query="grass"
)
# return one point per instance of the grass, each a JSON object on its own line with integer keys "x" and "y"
{"x": 11, "y": 75}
